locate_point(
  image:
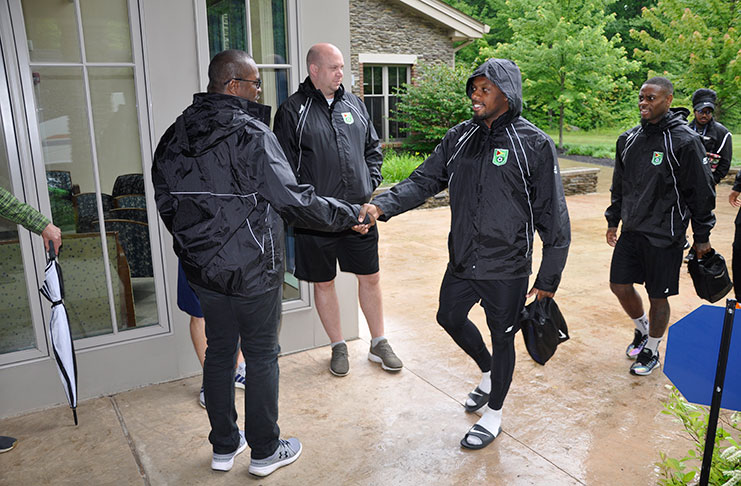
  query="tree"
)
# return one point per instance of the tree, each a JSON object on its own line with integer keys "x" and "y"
{"x": 568, "y": 65}
{"x": 628, "y": 17}
{"x": 485, "y": 11}
{"x": 697, "y": 44}
{"x": 432, "y": 104}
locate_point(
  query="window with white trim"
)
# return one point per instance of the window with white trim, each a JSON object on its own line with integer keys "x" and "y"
{"x": 381, "y": 85}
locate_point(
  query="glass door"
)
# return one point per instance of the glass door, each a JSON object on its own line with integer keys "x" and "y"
{"x": 19, "y": 301}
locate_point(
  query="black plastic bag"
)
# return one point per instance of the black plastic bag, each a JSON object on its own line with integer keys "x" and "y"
{"x": 710, "y": 276}
{"x": 543, "y": 328}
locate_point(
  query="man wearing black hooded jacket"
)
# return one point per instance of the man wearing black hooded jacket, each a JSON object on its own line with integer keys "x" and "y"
{"x": 503, "y": 179}
{"x": 222, "y": 184}
{"x": 659, "y": 184}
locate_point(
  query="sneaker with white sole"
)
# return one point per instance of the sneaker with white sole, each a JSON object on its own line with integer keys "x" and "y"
{"x": 634, "y": 348}
{"x": 202, "y": 398}
{"x": 240, "y": 377}
{"x": 645, "y": 363}
{"x": 224, "y": 462}
{"x": 339, "y": 365}
{"x": 382, "y": 353}
{"x": 286, "y": 453}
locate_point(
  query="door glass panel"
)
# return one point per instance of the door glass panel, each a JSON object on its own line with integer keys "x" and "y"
{"x": 65, "y": 138}
{"x": 51, "y": 27}
{"x": 16, "y": 328}
{"x": 226, "y": 25}
{"x": 268, "y": 29}
{"x": 274, "y": 87}
{"x": 106, "y": 28}
{"x": 122, "y": 183}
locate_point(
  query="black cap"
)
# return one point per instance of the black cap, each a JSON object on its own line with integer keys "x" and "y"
{"x": 703, "y": 98}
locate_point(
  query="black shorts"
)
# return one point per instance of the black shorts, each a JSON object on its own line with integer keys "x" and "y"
{"x": 317, "y": 254}
{"x": 636, "y": 261}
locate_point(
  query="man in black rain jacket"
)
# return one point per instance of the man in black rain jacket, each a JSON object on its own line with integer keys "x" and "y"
{"x": 715, "y": 137}
{"x": 330, "y": 141}
{"x": 504, "y": 183}
{"x": 222, "y": 184}
{"x": 659, "y": 184}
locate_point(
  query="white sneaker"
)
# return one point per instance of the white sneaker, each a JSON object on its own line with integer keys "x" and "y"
{"x": 224, "y": 462}
{"x": 286, "y": 453}
{"x": 202, "y": 398}
{"x": 240, "y": 377}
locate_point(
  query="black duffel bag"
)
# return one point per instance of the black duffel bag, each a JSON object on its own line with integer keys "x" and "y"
{"x": 543, "y": 328}
{"x": 710, "y": 276}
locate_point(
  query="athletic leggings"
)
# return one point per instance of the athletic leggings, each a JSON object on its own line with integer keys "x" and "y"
{"x": 502, "y": 301}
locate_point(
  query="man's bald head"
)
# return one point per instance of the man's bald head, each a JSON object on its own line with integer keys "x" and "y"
{"x": 228, "y": 65}
{"x": 325, "y": 64}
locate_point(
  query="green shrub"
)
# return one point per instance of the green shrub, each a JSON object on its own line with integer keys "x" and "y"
{"x": 726, "y": 465}
{"x": 398, "y": 165}
{"x": 432, "y": 105}
{"x": 599, "y": 151}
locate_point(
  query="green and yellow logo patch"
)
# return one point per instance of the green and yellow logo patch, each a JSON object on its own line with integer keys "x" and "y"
{"x": 347, "y": 116}
{"x": 500, "y": 156}
{"x": 657, "y": 158}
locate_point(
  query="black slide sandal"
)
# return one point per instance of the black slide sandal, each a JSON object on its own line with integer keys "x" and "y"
{"x": 479, "y": 398}
{"x": 481, "y": 433}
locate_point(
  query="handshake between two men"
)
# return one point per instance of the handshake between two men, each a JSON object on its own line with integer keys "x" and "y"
{"x": 368, "y": 215}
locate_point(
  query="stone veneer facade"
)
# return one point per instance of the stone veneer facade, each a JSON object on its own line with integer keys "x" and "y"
{"x": 390, "y": 27}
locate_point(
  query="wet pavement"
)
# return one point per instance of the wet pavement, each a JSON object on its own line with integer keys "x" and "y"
{"x": 580, "y": 420}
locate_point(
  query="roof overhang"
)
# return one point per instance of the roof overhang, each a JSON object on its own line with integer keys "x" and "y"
{"x": 462, "y": 27}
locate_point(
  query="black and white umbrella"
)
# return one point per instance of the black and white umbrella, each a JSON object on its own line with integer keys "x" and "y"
{"x": 59, "y": 332}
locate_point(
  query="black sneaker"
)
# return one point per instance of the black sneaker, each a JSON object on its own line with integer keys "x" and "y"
{"x": 645, "y": 363}
{"x": 634, "y": 348}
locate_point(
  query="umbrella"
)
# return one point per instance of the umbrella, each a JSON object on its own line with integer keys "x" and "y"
{"x": 61, "y": 338}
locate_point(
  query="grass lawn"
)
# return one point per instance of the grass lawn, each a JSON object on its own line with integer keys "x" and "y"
{"x": 607, "y": 138}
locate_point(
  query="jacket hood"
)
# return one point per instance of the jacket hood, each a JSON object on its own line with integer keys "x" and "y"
{"x": 506, "y": 75}
{"x": 213, "y": 117}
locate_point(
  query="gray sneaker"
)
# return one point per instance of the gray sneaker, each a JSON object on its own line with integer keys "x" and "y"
{"x": 286, "y": 453}
{"x": 382, "y": 353}
{"x": 224, "y": 462}
{"x": 339, "y": 365}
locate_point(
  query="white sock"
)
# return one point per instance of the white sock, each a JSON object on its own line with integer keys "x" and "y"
{"x": 338, "y": 342}
{"x": 241, "y": 367}
{"x": 377, "y": 340}
{"x": 642, "y": 324}
{"x": 491, "y": 420}
{"x": 484, "y": 386}
{"x": 653, "y": 344}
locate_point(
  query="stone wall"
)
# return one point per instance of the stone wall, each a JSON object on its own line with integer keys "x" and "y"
{"x": 578, "y": 180}
{"x": 730, "y": 178}
{"x": 390, "y": 27}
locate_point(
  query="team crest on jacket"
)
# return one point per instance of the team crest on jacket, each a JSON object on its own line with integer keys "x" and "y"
{"x": 500, "y": 156}
{"x": 657, "y": 158}
{"x": 347, "y": 116}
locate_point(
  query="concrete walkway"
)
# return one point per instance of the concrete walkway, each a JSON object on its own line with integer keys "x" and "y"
{"x": 580, "y": 420}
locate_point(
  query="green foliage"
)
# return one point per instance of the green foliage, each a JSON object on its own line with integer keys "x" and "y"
{"x": 398, "y": 165}
{"x": 486, "y": 11}
{"x": 628, "y": 17}
{"x": 434, "y": 103}
{"x": 600, "y": 151}
{"x": 570, "y": 69}
{"x": 726, "y": 464}
{"x": 697, "y": 44}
